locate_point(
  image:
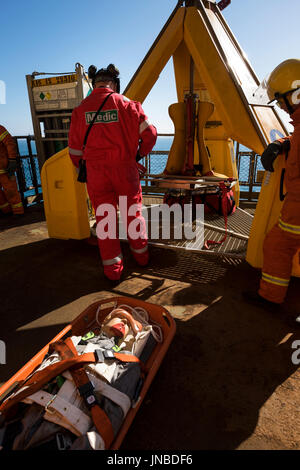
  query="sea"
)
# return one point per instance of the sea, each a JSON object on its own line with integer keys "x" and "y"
{"x": 157, "y": 162}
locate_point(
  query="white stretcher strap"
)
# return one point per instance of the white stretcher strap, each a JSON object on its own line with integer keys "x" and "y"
{"x": 119, "y": 398}
{"x": 95, "y": 440}
{"x": 60, "y": 411}
{"x": 105, "y": 370}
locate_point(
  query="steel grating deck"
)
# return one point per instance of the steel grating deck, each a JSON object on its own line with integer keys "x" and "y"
{"x": 234, "y": 246}
{"x": 238, "y": 223}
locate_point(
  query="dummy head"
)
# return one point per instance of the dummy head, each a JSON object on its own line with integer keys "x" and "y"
{"x": 120, "y": 323}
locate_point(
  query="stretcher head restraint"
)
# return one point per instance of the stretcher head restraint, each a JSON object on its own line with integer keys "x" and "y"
{"x": 111, "y": 73}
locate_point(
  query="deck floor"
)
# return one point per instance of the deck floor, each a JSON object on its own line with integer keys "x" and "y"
{"x": 227, "y": 380}
{"x": 234, "y": 245}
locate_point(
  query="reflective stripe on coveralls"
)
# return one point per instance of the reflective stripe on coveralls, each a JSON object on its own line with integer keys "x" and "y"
{"x": 18, "y": 208}
{"x": 144, "y": 126}
{"x": 5, "y": 208}
{"x": 3, "y": 135}
{"x": 75, "y": 152}
{"x": 275, "y": 280}
{"x": 109, "y": 262}
{"x": 279, "y": 250}
{"x": 289, "y": 228}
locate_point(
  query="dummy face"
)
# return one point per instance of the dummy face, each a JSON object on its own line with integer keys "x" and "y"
{"x": 116, "y": 327}
{"x": 119, "y": 323}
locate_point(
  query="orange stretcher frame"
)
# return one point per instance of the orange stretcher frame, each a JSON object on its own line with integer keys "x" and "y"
{"x": 84, "y": 323}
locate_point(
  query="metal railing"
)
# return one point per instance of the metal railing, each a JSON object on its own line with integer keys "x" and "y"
{"x": 28, "y": 172}
{"x": 250, "y": 171}
{"x": 29, "y": 182}
{"x": 248, "y": 163}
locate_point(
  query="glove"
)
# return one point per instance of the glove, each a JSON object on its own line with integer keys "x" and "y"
{"x": 270, "y": 154}
{"x": 11, "y": 167}
{"x": 138, "y": 156}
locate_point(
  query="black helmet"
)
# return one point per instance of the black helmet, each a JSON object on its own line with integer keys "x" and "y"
{"x": 111, "y": 73}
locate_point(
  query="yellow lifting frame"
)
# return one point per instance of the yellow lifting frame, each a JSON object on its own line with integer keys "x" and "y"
{"x": 222, "y": 76}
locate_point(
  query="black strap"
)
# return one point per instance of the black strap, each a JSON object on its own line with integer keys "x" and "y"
{"x": 281, "y": 195}
{"x": 94, "y": 118}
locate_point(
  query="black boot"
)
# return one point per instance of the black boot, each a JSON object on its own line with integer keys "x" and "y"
{"x": 113, "y": 282}
{"x": 255, "y": 299}
{"x": 5, "y": 214}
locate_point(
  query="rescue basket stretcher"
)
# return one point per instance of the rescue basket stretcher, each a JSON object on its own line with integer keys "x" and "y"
{"x": 87, "y": 322}
{"x": 186, "y": 182}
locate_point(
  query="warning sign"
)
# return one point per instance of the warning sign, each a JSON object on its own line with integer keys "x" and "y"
{"x": 54, "y": 80}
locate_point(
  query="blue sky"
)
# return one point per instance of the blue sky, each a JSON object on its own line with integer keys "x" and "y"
{"x": 52, "y": 37}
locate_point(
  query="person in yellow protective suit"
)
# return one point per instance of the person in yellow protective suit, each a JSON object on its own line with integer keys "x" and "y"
{"x": 283, "y": 241}
{"x": 10, "y": 200}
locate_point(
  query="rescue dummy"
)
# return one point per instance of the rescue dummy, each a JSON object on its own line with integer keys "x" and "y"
{"x": 283, "y": 241}
{"x": 84, "y": 406}
{"x": 10, "y": 200}
{"x": 119, "y": 136}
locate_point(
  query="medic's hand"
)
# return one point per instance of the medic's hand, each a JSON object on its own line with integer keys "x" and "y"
{"x": 11, "y": 167}
{"x": 141, "y": 169}
{"x": 138, "y": 156}
{"x": 271, "y": 153}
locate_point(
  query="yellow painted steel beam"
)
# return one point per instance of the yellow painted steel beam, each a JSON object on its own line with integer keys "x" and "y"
{"x": 234, "y": 113}
{"x": 157, "y": 58}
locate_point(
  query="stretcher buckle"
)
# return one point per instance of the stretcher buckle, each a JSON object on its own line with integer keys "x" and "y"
{"x": 87, "y": 393}
{"x": 52, "y": 412}
{"x": 101, "y": 355}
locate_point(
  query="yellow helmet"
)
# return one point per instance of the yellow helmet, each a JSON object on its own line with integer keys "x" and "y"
{"x": 284, "y": 80}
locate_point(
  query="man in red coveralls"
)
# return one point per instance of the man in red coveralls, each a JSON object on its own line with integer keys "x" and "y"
{"x": 10, "y": 200}
{"x": 120, "y": 132}
{"x": 283, "y": 241}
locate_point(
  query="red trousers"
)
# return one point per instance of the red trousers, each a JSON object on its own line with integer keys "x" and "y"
{"x": 111, "y": 185}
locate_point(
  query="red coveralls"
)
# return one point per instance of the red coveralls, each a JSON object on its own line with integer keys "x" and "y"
{"x": 283, "y": 240}
{"x": 10, "y": 200}
{"x": 117, "y": 133}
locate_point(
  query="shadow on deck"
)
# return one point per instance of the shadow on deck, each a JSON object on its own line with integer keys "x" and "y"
{"x": 227, "y": 358}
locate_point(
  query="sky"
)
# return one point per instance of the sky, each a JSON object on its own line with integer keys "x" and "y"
{"x": 52, "y": 37}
